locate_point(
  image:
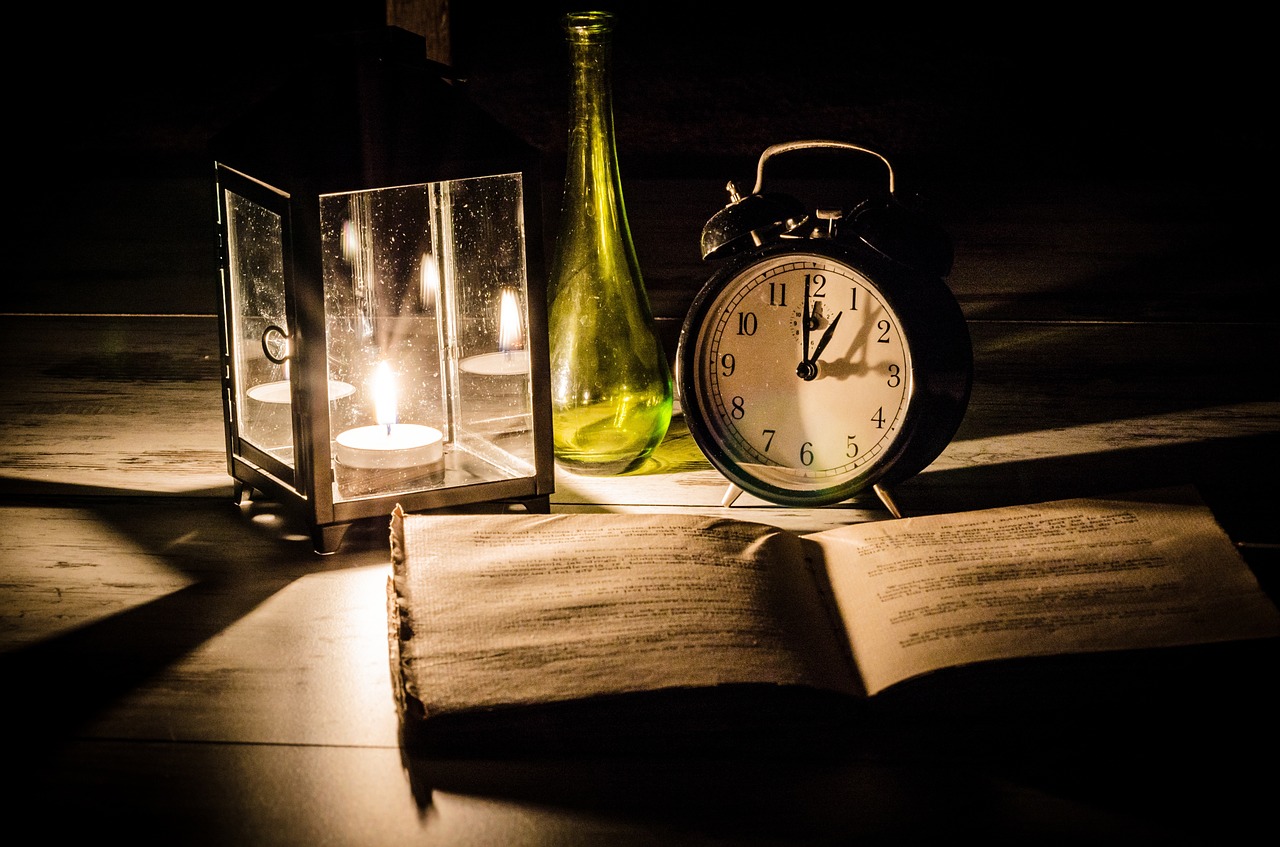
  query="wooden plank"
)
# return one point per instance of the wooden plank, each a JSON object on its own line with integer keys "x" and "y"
{"x": 269, "y": 795}
{"x": 184, "y": 619}
{"x": 229, "y": 684}
{"x": 126, "y": 405}
{"x": 217, "y": 794}
{"x": 130, "y": 406}
{"x": 1053, "y": 250}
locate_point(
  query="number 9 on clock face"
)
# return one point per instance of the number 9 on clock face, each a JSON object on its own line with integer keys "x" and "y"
{"x": 796, "y": 377}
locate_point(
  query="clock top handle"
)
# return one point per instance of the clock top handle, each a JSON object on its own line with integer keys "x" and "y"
{"x": 789, "y": 146}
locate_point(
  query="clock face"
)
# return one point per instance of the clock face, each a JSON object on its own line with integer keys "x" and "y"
{"x": 797, "y": 378}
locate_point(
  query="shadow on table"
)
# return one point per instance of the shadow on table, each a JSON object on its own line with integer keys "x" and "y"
{"x": 1159, "y": 746}
{"x": 236, "y": 557}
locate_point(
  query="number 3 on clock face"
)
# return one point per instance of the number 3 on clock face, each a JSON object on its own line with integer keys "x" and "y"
{"x": 797, "y": 378}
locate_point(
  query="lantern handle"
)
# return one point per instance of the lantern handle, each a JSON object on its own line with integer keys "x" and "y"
{"x": 270, "y": 332}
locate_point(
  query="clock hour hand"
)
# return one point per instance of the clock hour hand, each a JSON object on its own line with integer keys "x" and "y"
{"x": 825, "y": 339}
{"x": 808, "y": 369}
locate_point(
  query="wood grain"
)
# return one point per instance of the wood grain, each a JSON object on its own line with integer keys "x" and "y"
{"x": 130, "y": 406}
{"x": 191, "y": 663}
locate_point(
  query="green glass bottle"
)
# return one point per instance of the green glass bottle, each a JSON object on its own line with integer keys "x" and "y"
{"x": 611, "y": 389}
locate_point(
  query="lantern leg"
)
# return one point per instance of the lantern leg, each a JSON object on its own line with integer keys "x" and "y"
{"x": 328, "y": 538}
{"x": 538, "y": 505}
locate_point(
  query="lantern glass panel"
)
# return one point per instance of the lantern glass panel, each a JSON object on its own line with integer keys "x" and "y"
{"x": 426, "y": 295}
{"x": 259, "y": 323}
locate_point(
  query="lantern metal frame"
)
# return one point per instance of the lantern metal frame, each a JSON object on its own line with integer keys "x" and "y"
{"x": 370, "y": 113}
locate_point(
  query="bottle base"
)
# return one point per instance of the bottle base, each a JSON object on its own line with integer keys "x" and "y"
{"x": 601, "y": 467}
{"x": 608, "y": 438}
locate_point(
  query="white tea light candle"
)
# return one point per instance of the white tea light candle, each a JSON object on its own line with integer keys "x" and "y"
{"x": 387, "y": 446}
{"x": 388, "y": 455}
{"x": 278, "y": 392}
{"x": 511, "y": 359}
{"x": 497, "y": 364}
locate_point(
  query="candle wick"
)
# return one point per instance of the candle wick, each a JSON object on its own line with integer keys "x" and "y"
{"x": 388, "y": 430}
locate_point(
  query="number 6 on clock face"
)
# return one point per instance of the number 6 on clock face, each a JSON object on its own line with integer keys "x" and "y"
{"x": 802, "y": 375}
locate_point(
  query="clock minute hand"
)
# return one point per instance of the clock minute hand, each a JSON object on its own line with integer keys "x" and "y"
{"x": 805, "y": 320}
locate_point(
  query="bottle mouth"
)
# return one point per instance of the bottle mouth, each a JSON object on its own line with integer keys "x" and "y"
{"x": 588, "y": 23}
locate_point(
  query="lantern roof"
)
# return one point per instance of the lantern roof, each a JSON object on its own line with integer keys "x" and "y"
{"x": 367, "y": 110}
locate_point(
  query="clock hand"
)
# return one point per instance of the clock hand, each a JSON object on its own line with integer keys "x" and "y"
{"x": 825, "y": 339}
{"x": 808, "y": 368}
{"x": 804, "y": 321}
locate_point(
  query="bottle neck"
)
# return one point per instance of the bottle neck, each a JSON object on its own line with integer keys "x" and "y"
{"x": 593, "y": 223}
{"x": 591, "y": 140}
{"x": 591, "y": 92}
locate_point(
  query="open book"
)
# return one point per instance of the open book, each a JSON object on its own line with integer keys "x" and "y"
{"x": 504, "y": 621}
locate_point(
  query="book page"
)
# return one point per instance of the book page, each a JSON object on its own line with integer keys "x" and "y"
{"x": 528, "y": 609}
{"x": 1073, "y": 576}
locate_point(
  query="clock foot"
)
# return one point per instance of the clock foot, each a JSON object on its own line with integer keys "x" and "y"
{"x": 887, "y": 499}
{"x": 731, "y": 493}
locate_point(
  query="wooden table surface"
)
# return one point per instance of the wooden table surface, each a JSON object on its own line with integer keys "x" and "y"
{"x": 180, "y": 669}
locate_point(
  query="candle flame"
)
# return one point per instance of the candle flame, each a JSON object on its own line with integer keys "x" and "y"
{"x": 384, "y": 394}
{"x": 350, "y": 241}
{"x": 510, "y": 331}
{"x": 429, "y": 282}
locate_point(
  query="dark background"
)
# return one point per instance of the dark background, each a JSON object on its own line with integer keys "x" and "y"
{"x": 115, "y": 105}
{"x": 1070, "y": 91}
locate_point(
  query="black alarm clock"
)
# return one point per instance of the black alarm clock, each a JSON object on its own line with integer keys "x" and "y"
{"x": 826, "y": 355}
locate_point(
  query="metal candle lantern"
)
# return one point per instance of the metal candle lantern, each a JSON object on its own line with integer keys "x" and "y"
{"x": 383, "y": 295}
